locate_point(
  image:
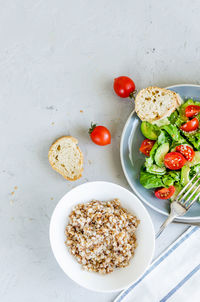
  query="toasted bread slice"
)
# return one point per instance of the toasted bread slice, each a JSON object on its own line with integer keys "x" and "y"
{"x": 66, "y": 158}
{"x": 154, "y": 103}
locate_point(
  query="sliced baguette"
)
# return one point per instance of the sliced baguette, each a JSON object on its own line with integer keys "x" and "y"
{"x": 154, "y": 103}
{"x": 66, "y": 158}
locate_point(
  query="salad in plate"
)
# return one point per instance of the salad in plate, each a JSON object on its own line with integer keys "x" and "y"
{"x": 172, "y": 150}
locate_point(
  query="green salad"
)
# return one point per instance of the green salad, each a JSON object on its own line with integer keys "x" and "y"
{"x": 172, "y": 149}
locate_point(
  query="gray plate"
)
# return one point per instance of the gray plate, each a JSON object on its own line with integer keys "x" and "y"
{"x": 132, "y": 159}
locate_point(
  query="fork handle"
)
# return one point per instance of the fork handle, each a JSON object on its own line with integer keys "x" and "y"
{"x": 169, "y": 219}
{"x": 189, "y": 223}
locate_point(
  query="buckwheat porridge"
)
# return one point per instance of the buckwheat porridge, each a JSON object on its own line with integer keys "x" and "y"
{"x": 101, "y": 235}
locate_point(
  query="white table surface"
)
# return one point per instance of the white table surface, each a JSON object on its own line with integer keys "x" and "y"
{"x": 56, "y": 59}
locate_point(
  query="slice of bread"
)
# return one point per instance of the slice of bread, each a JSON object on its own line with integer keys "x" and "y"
{"x": 154, "y": 103}
{"x": 66, "y": 158}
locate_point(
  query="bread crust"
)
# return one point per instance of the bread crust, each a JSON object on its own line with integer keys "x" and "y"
{"x": 174, "y": 105}
{"x": 81, "y": 155}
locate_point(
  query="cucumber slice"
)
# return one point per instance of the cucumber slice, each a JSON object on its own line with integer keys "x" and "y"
{"x": 195, "y": 161}
{"x": 163, "y": 122}
{"x": 185, "y": 175}
{"x": 177, "y": 190}
{"x": 160, "y": 154}
{"x": 154, "y": 169}
{"x": 149, "y": 131}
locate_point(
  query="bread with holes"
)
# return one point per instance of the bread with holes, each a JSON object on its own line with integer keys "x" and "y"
{"x": 154, "y": 103}
{"x": 66, "y": 157}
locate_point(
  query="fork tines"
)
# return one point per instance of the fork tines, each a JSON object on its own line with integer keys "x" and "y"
{"x": 193, "y": 188}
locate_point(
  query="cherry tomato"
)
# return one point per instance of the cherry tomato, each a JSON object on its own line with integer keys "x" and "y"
{"x": 186, "y": 151}
{"x": 190, "y": 125}
{"x": 174, "y": 160}
{"x": 124, "y": 87}
{"x": 146, "y": 146}
{"x": 192, "y": 110}
{"x": 100, "y": 135}
{"x": 164, "y": 193}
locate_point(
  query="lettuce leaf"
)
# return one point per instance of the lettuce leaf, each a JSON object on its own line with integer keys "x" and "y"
{"x": 153, "y": 150}
{"x": 194, "y": 170}
{"x": 173, "y": 117}
{"x": 150, "y": 181}
{"x": 182, "y": 117}
{"x": 194, "y": 139}
{"x": 174, "y": 133}
{"x": 163, "y": 138}
{"x": 181, "y": 109}
{"x": 170, "y": 178}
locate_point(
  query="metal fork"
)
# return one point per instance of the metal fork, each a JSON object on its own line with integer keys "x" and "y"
{"x": 183, "y": 202}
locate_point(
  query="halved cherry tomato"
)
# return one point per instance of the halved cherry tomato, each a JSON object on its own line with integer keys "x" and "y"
{"x": 146, "y": 146}
{"x": 174, "y": 160}
{"x": 190, "y": 125}
{"x": 124, "y": 87}
{"x": 186, "y": 151}
{"x": 192, "y": 110}
{"x": 164, "y": 193}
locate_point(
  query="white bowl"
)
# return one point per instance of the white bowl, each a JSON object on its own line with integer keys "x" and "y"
{"x": 122, "y": 277}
